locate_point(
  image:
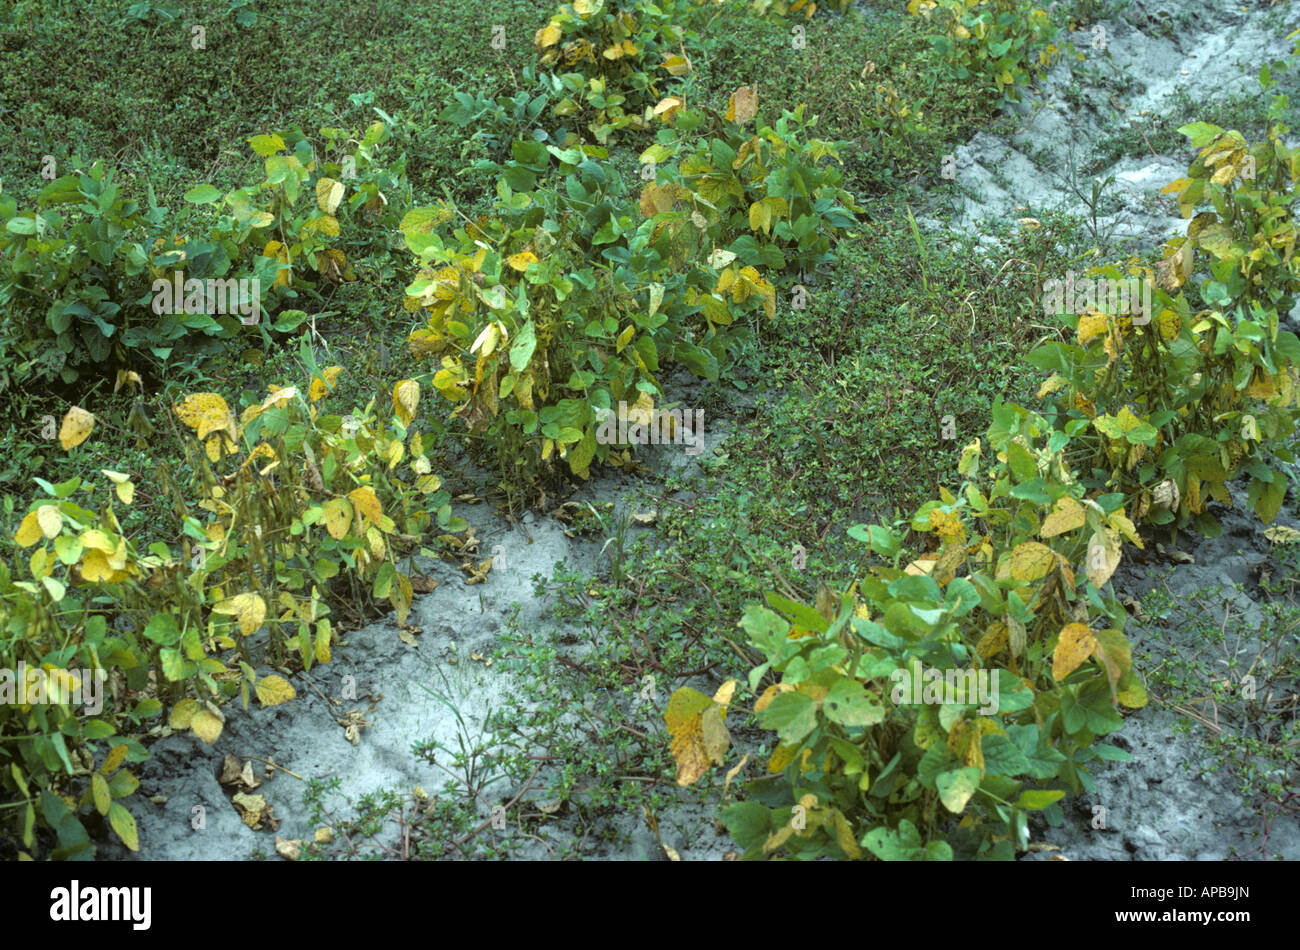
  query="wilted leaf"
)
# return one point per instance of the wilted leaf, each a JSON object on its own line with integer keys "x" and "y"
{"x": 743, "y": 105}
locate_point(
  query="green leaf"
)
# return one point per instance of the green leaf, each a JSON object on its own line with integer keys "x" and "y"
{"x": 849, "y": 704}
{"x": 203, "y": 195}
{"x": 162, "y": 629}
{"x": 804, "y": 616}
{"x": 521, "y": 350}
{"x": 792, "y": 715}
{"x": 1200, "y": 133}
{"x": 749, "y": 823}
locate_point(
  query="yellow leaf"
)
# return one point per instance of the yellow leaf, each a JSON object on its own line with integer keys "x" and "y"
{"x": 182, "y": 715}
{"x": 684, "y": 718}
{"x": 781, "y": 758}
{"x": 548, "y": 35}
{"x": 76, "y": 428}
{"x": 1051, "y": 385}
{"x": 113, "y": 761}
{"x": 123, "y": 485}
{"x": 95, "y": 566}
{"x": 328, "y": 194}
{"x": 248, "y": 608}
{"x": 760, "y": 216}
{"x": 1091, "y": 325}
{"x": 406, "y": 396}
{"x": 367, "y": 504}
{"x": 206, "y": 413}
{"x": 656, "y": 199}
{"x": 29, "y": 532}
{"x": 338, "y": 517}
{"x": 1282, "y": 535}
{"x": 667, "y": 107}
{"x": 123, "y": 824}
{"x": 274, "y": 690}
{"x": 521, "y": 260}
{"x": 100, "y": 793}
{"x": 1075, "y": 644}
{"x": 320, "y": 386}
{"x": 207, "y": 724}
{"x": 723, "y": 696}
{"x": 844, "y": 835}
{"x": 125, "y": 378}
{"x": 677, "y": 65}
{"x": 1067, "y": 515}
{"x": 770, "y": 694}
{"x": 1031, "y": 561}
{"x": 715, "y": 736}
{"x": 51, "y": 522}
{"x": 625, "y": 337}
{"x": 996, "y": 638}
{"x": 1169, "y": 324}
